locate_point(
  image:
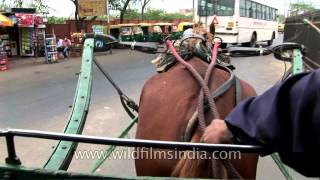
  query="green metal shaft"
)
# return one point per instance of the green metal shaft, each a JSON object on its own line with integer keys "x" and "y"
{"x": 110, "y": 149}
{"x": 61, "y": 157}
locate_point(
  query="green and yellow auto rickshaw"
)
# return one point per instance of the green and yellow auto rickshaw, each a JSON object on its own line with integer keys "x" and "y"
{"x": 145, "y": 29}
{"x": 165, "y": 27}
{"x": 184, "y": 26}
{"x": 175, "y": 32}
{"x": 130, "y": 32}
{"x": 169, "y": 29}
{"x": 114, "y": 30}
{"x": 155, "y": 33}
{"x": 126, "y": 32}
{"x": 137, "y": 33}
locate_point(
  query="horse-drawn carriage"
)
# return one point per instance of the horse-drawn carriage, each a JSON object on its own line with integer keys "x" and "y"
{"x": 167, "y": 138}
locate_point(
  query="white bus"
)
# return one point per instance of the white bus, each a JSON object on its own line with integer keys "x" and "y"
{"x": 240, "y": 21}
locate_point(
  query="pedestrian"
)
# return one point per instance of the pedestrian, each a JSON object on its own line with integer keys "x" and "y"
{"x": 60, "y": 47}
{"x": 66, "y": 44}
{"x": 63, "y": 46}
{"x": 285, "y": 119}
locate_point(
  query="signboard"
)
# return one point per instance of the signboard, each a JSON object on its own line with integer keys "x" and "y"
{"x": 98, "y": 29}
{"x": 38, "y": 20}
{"x": 92, "y": 7}
{"x": 25, "y": 20}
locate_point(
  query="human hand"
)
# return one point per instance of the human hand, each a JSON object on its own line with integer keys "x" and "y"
{"x": 216, "y": 133}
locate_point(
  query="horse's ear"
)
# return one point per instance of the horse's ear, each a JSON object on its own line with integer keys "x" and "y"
{"x": 212, "y": 28}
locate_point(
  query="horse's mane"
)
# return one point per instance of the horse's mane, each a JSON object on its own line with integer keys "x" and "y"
{"x": 166, "y": 61}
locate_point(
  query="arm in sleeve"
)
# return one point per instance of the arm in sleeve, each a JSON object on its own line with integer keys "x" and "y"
{"x": 285, "y": 119}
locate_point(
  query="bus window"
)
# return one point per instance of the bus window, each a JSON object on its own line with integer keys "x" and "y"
{"x": 267, "y": 13}
{"x": 263, "y": 12}
{"x": 225, "y": 8}
{"x": 254, "y": 10}
{"x": 219, "y": 7}
{"x": 248, "y": 8}
{"x": 259, "y": 8}
{"x": 243, "y": 8}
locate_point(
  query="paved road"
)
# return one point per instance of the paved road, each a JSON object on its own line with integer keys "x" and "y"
{"x": 37, "y": 96}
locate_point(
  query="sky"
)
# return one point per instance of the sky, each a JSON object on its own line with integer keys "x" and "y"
{"x": 65, "y": 8}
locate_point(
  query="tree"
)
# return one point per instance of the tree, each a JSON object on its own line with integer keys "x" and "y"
{"x": 301, "y": 7}
{"x": 123, "y": 9}
{"x": 156, "y": 14}
{"x": 40, "y": 5}
{"x": 56, "y": 20}
{"x": 282, "y": 18}
{"x": 76, "y": 16}
{"x": 144, "y": 4}
{"x": 131, "y": 14}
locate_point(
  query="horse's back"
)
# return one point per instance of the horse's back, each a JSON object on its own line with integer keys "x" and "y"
{"x": 167, "y": 102}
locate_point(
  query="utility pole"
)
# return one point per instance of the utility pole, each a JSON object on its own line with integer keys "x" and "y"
{"x": 108, "y": 13}
{"x": 284, "y": 8}
{"x": 193, "y": 11}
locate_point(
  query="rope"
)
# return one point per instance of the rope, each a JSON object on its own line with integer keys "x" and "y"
{"x": 201, "y": 116}
{"x": 124, "y": 99}
{"x": 197, "y": 76}
{"x": 205, "y": 93}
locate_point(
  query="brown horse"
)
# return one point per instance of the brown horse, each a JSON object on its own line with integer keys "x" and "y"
{"x": 167, "y": 102}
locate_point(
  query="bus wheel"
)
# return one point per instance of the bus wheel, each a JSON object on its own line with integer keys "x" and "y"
{"x": 253, "y": 41}
{"x": 271, "y": 41}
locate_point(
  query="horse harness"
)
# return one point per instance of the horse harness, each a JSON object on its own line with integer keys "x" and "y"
{"x": 198, "y": 118}
{"x": 167, "y": 61}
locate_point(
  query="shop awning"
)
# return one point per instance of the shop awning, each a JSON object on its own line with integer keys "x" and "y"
{"x": 5, "y": 21}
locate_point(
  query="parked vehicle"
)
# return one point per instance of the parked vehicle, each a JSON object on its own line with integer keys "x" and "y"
{"x": 155, "y": 33}
{"x": 145, "y": 29}
{"x": 127, "y": 32}
{"x": 281, "y": 27}
{"x": 114, "y": 30}
{"x": 240, "y": 21}
{"x": 184, "y": 26}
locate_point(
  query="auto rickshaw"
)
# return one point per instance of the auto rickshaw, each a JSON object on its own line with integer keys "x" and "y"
{"x": 126, "y": 32}
{"x": 155, "y": 33}
{"x": 114, "y": 30}
{"x": 175, "y": 33}
{"x": 184, "y": 26}
{"x": 130, "y": 32}
{"x": 170, "y": 28}
{"x": 281, "y": 27}
{"x": 165, "y": 27}
{"x": 137, "y": 33}
{"x": 145, "y": 29}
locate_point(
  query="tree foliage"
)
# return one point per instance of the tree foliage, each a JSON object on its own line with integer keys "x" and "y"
{"x": 144, "y": 4}
{"x": 155, "y": 14}
{"x": 282, "y": 18}
{"x": 301, "y": 7}
{"x": 56, "y": 20}
{"x": 40, "y": 5}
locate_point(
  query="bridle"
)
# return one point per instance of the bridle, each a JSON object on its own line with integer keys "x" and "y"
{"x": 205, "y": 94}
